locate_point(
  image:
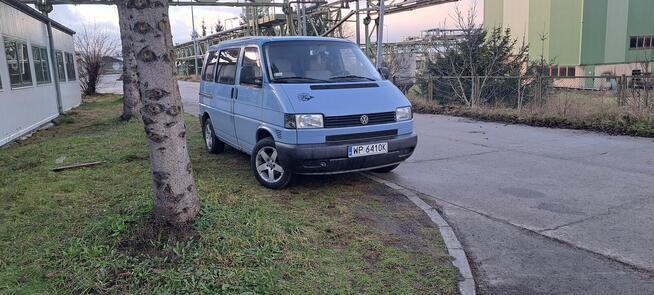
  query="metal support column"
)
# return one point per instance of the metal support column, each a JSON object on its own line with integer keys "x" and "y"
{"x": 53, "y": 58}
{"x": 380, "y": 35}
{"x": 358, "y": 26}
{"x": 194, "y": 35}
{"x": 304, "y": 19}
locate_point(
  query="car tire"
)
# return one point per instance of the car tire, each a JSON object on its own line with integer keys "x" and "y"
{"x": 211, "y": 142}
{"x": 266, "y": 166}
{"x": 385, "y": 169}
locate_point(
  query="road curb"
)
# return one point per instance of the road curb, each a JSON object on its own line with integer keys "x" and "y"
{"x": 452, "y": 243}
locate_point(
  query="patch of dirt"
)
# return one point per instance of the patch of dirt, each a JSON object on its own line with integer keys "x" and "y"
{"x": 150, "y": 238}
{"x": 402, "y": 224}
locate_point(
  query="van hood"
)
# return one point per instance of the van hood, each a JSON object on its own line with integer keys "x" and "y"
{"x": 338, "y": 99}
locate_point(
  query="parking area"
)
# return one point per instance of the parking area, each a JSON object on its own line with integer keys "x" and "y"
{"x": 538, "y": 210}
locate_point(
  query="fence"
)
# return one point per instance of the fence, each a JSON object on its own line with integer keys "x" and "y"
{"x": 519, "y": 92}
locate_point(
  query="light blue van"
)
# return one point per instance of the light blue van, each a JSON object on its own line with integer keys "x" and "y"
{"x": 303, "y": 105}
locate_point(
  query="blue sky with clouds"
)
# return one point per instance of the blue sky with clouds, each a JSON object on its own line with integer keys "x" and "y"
{"x": 398, "y": 26}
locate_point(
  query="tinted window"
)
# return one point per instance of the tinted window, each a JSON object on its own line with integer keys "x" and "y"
{"x": 251, "y": 66}
{"x": 227, "y": 60}
{"x": 572, "y": 71}
{"x": 18, "y": 63}
{"x": 210, "y": 68}
{"x": 70, "y": 67}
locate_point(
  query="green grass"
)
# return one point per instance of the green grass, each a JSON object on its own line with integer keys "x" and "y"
{"x": 89, "y": 230}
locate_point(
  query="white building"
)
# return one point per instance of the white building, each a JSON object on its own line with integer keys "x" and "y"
{"x": 28, "y": 96}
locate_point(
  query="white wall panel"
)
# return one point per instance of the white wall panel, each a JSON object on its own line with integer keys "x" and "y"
{"x": 24, "y": 109}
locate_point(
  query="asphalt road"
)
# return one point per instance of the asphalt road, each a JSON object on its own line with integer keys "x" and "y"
{"x": 539, "y": 211}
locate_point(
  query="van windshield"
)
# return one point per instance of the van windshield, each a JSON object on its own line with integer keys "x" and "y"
{"x": 318, "y": 62}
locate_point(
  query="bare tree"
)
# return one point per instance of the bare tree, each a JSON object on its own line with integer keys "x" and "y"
{"x": 92, "y": 45}
{"x": 131, "y": 95}
{"x": 175, "y": 197}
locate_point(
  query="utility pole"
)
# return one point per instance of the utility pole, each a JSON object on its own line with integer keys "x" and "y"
{"x": 380, "y": 35}
{"x": 194, "y": 35}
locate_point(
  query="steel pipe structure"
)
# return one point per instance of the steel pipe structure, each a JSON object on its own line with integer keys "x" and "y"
{"x": 183, "y": 3}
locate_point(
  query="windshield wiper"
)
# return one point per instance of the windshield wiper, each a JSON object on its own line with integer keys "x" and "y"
{"x": 305, "y": 79}
{"x": 351, "y": 77}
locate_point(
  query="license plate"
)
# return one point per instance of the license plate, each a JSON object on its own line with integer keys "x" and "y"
{"x": 367, "y": 149}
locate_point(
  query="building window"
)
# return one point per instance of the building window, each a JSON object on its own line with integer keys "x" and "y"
{"x": 41, "y": 65}
{"x": 641, "y": 42}
{"x": 562, "y": 71}
{"x": 18, "y": 63}
{"x": 61, "y": 71}
{"x": 70, "y": 67}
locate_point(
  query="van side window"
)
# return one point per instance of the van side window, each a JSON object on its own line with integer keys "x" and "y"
{"x": 251, "y": 67}
{"x": 227, "y": 60}
{"x": 210, "y": 68}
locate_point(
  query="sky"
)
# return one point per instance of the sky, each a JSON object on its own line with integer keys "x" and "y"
{"x": 398, "y": 26}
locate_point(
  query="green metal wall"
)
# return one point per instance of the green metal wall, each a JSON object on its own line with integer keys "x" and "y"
{"x": 580, "y": 32}
{"x": 539, "y": 27}
{"x": 641, "y": 22}
{"x": 594, "y": 35}
{"x": 616, "y": 37}
{"x": 565, "y": 31}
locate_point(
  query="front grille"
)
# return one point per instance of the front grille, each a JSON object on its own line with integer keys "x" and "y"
{"x": 366, "y": 135}
{"x": 355, "y": 120}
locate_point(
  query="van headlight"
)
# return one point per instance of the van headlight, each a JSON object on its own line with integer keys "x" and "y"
{"x": 403, "y": 114}
{"x": 303, "y": 121}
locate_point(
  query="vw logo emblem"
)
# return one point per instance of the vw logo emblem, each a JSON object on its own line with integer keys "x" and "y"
{"x": 304, "y": 97}
{"x": 364, "y": 120}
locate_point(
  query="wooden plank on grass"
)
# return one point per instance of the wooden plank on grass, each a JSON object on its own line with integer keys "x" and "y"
{"x": 74, "y": 166}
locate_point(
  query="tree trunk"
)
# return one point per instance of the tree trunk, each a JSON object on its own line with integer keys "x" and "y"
{"x": 131, "y": 96}
{"x": 175, "y": 196}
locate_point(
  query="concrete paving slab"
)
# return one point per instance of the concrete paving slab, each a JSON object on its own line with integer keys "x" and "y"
{"x": 624, "y": 233}
{"x": 509, "y": 260}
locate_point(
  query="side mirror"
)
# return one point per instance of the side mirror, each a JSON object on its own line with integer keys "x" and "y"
{"x": 384, "y": 72}
{"x": 251, "y": 75}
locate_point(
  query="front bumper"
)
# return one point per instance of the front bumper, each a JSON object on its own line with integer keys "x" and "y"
{"x": 331, "y": 158}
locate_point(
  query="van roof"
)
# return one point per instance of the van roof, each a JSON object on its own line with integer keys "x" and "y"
{"x": 260, "y": 40}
